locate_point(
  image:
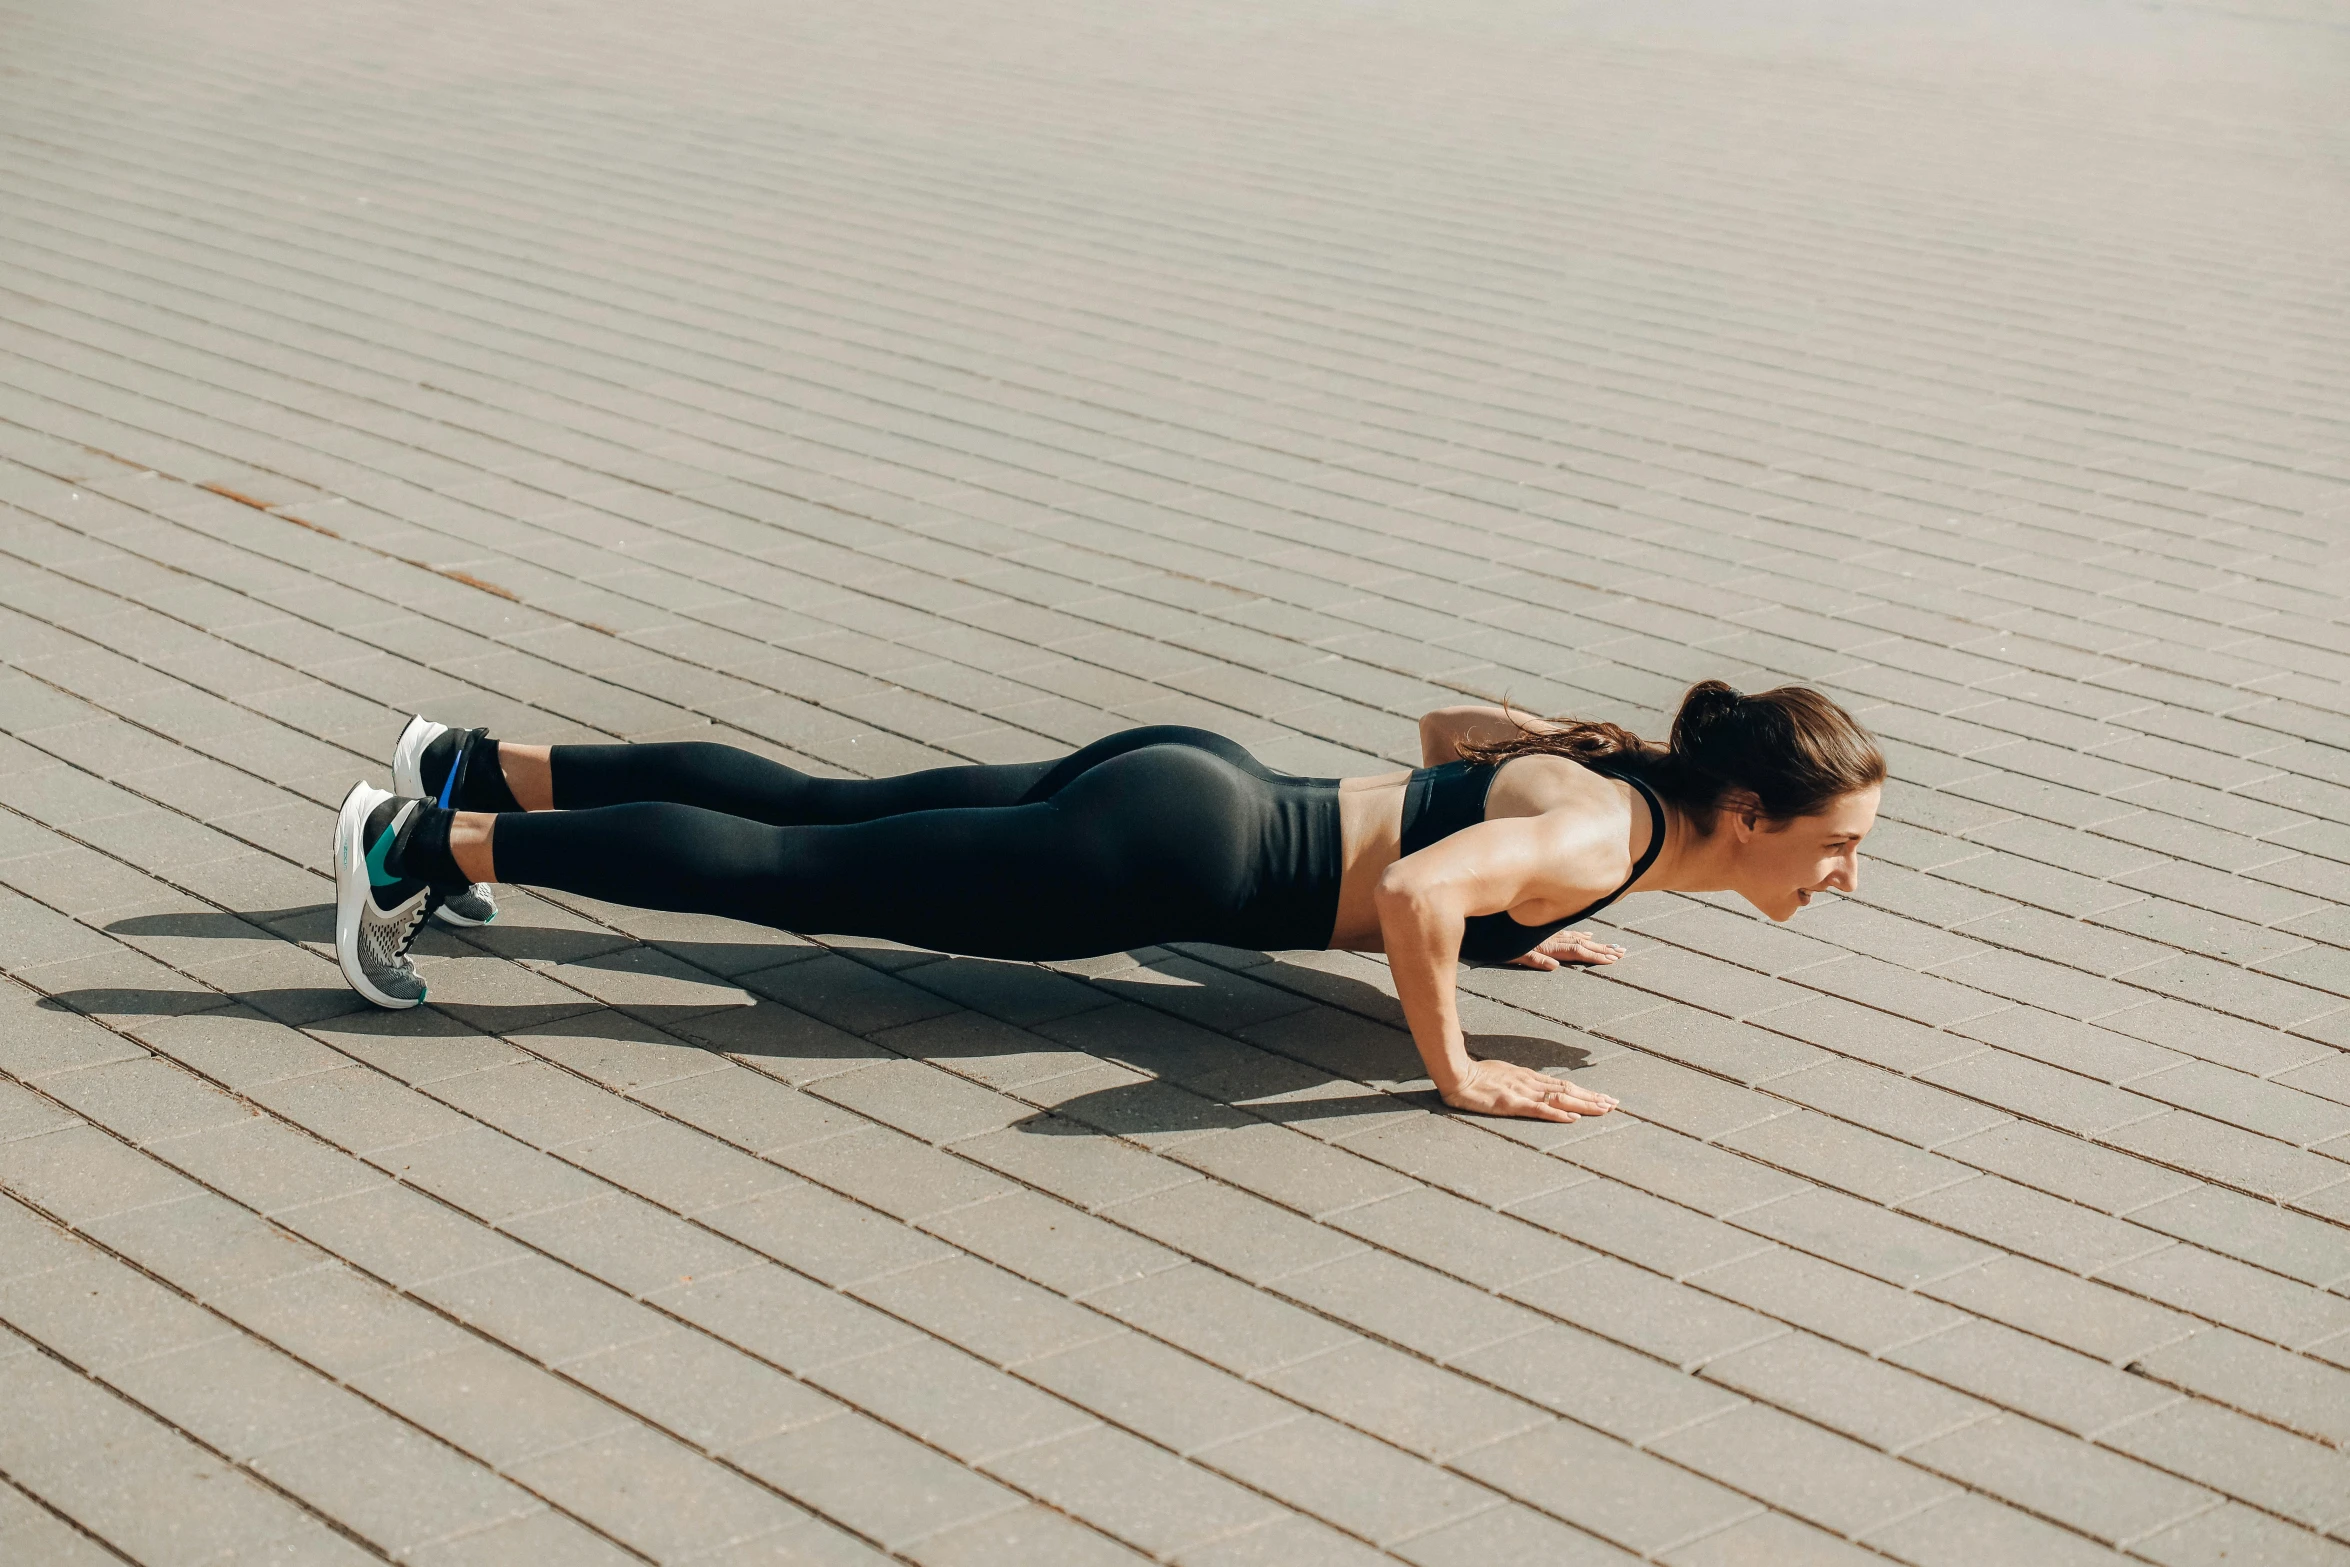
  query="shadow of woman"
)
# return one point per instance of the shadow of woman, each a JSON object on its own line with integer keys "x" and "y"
{"x": 1316, "y": 1042}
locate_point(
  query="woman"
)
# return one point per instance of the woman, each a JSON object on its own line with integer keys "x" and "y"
{"x": 1512, "y": 831}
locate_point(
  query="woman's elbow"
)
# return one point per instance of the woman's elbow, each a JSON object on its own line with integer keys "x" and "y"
{"x": 1401, "y": 891}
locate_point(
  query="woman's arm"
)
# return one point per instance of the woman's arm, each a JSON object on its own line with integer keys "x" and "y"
{"x": 1424, "y": 901}
{"x": 1443, "y": 731}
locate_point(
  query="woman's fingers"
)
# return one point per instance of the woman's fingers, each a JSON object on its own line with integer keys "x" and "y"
{"x": 1504, "y": 1088}
{"x": 1568, "y": 1093}
{"x": 1579, "y": 947}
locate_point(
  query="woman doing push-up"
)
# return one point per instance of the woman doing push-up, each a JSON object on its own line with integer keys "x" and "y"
{"x": 1513, "y": 830}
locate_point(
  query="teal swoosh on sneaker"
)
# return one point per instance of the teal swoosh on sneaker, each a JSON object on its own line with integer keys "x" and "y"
{"x": 377, "y": 875}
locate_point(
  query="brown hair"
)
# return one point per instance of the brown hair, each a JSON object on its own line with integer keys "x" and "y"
{"x": 1791, "y": 748}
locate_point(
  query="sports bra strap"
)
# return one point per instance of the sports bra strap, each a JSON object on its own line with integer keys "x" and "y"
{"x": 1440, "y": 801}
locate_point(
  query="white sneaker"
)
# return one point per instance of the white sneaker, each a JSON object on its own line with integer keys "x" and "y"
{"x": 376, "y": 912}
{"x": 477, "y": 904}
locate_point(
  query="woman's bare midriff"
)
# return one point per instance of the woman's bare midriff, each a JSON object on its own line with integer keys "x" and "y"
{"x": 1370, "y": 815}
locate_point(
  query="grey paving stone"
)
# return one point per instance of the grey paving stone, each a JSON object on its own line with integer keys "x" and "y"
{"x": 1626, "y": 1222}
{"x": 2295, "y": 1391}
{"x": 700, "y": 1389}
{"x": 2235, "y": 1532}
{"x": 1673, "y": 1322}
{"x": 1159, "y": 1392}
{"x": 1134, "y": 1491}
{"x": 2103, "y": 1494}
{"x": 491, "y": 1403}
{"x": 1599, "y": 1383}
{"x": 80, "y": 1175}
{"x": 2015, "y": 1371}
{"x": 1065, "y": 1250}
{"x": 782, "y": 1317}
{"x": 537, "y": 1103}
{"x": 394, "y": 1486}
{"x": 29, "y": 1532}
{"x": 1509, "y": 1533}
{"x": 1403, "y": 1400}
{"x": 236, "y": 1048}
{"x": 823, "y": 1235}
{"x": 1616, "y": 1492}
{"x": 1333, "y": 1472}
{"x": 1801, "y": 1469}
{"x": 540, "y": 1536}
{"x": 985, "y": 1309}
{"x": 202, "y": 1244}
{"x": 1974, "y": 1528}
{"x": 1885, "y": 1245}
{"x": 677, "y": 1166}
{"x": 1846, "y": 1391}
{"x": 399, "y": 1235}
{"x": 2259, "y": 1233}
{"x": 1032, "y": 1534}
{"x": 1901, "y": 1108}
{"x": 1291, "y": 1539}
{"x": 2219, "y": 1152}
{"x": 653, "y": 1493}
{"x": 877, "y": 1482}
{"x": 2273, "y": 1469}
{"x": 2235, "y": 1295}
{"x": 1401, "y": 1300}
{"x": 2036, "y": 1156}
{"x": 893, "y": 1173}
{"x": 1219, "y": 1318}
{"x": 951, "y": 1400}
{"x": 2267, "y": 1107}
{"x": 1238, "y": 1232}
{"x": 1671, "y": 1095}
{"x": 1769, "y": 1537}
{"x": 1688, "y": 1172}
{"x": 1848, "y": 1157}
{"x": 161, "y": 1497}
{"x": 1457, "y": 1158}
{"x": 1835, "y": 1302}
{"x": 98, "y": 1313}
{"x": 1455, "y": 1236}
{"x": 24, "y": 1114}
{"x": 2033, "y": 1224}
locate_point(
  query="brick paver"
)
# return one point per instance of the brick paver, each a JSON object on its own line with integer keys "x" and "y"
{"x": 878, "y": 386}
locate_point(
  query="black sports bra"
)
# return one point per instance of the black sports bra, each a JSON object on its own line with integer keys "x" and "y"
{"x": 1440, "y": 801}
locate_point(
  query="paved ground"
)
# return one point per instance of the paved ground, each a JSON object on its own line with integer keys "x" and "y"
{"x": 889, "y": 382}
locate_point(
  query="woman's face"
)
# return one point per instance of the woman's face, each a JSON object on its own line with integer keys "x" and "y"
{"x": 1781, "y": 865}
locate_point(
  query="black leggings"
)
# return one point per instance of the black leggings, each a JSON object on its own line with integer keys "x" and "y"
{"x": 1151, "y": 835}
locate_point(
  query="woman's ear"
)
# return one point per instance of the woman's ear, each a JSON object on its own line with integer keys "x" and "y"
{"x": 1742, "y": 809}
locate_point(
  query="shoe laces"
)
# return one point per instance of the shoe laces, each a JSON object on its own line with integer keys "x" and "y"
{"x": 392, "y": 938}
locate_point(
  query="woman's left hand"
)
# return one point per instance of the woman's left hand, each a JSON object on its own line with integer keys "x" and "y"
{"x": 1571, "y": 946}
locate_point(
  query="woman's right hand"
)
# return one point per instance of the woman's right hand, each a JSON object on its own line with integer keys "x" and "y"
{"x": 1505, "y": 1088}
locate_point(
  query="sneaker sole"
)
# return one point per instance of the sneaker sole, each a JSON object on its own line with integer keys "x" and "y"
{"x": 408, "y": 783}
{"x": 351, "y": 892}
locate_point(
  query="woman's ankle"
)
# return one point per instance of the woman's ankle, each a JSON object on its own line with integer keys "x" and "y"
{"x": 471, "y": 846}
{"x": 528, "y": 774}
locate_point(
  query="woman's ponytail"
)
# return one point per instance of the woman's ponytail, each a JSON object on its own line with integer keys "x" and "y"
{"x": 1788, "y": 751}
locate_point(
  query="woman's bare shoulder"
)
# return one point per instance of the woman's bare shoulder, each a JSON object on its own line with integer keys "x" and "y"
{"x": 1593, "y": 822}
{"x": 1541, "y": 782}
